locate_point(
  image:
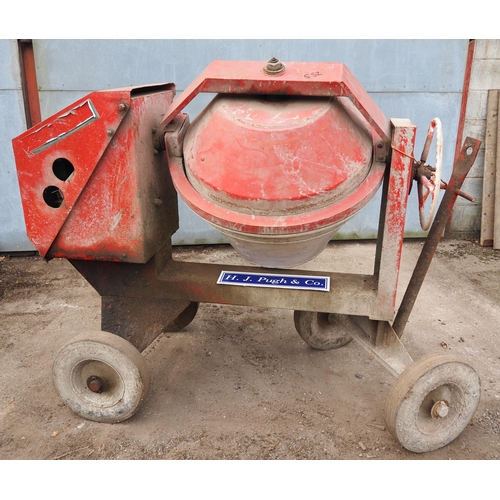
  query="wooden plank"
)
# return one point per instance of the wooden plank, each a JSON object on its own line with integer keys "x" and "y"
{"x": 489, "y": 176}
{"x": 496, "y": 229}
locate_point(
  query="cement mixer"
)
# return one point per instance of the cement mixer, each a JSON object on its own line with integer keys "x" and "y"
{"x": 283, "y": 155}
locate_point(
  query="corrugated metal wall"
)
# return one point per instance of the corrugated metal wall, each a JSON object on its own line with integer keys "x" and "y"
{"x": 415, "y": 79}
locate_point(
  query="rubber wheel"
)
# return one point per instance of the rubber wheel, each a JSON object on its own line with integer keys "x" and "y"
{"x": 184, "y": 318}
{"x": 432, "y": 402}
{"x": 322, "y": 331}
{"x": 101, "y": 377}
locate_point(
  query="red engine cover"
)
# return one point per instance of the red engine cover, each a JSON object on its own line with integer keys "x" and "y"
{"x": 91, "y": 184}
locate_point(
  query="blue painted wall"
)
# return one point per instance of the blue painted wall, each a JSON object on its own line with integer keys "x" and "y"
{"x": 415, "y": 79}
{"x": 12, "y": 122}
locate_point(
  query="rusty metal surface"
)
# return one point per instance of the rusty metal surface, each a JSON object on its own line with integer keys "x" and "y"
{"x": 139, "y": 321}
{"x": 134, "y": 304}
{"x": 139, "y": 301}
{"x": 461, "y": 168}
{"x": 29, "y": 82}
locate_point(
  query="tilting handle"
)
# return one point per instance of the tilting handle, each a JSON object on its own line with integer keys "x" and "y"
{"x": 460, "y": 170}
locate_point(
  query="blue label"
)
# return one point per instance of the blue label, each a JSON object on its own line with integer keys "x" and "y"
{"x": 319, "y": 283}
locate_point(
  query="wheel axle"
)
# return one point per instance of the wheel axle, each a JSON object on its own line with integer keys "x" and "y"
{"x": 440, "y": 409}
{"x": 95, "y": 384}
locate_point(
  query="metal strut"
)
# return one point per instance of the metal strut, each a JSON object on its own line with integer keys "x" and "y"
{"x": 460, "y": 170}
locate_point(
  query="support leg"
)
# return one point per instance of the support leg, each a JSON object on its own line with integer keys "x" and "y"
{"x": 389, "y": 246}
{"x": 136, "y": 304}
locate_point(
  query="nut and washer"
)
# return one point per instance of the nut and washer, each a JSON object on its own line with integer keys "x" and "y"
{"x": 274, "y": 67}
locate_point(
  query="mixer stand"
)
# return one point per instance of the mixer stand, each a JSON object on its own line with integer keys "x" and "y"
{"x": 99, "y": 182}
{"x": 140, "y": 301}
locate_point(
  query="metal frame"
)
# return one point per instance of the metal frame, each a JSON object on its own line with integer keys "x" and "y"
{"x": 29, "y": 82}
{"x": 299, "y": 79}
{"x": 140, "y": 300}
{"x": 143, "y": 292}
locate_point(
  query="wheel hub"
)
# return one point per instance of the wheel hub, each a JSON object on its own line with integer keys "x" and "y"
{"x": 95, "y": 384}
{"x": 440, "y": 409}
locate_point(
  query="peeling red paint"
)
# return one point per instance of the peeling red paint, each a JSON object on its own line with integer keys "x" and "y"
{"x": 299, "y": 78}
{"x": 391, "y": 238}
{"x": 101, "y": 204}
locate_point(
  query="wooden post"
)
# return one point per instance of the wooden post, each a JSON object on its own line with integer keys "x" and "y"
{"x": 490, "y": 179}
{"x": 496, "y": 228}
